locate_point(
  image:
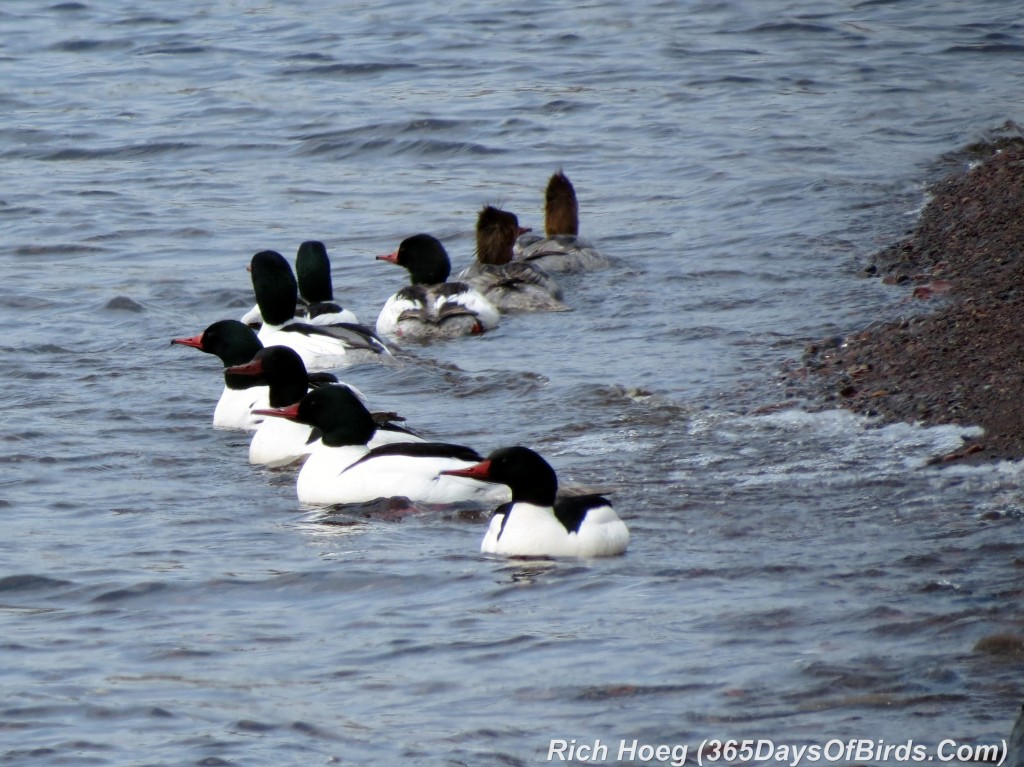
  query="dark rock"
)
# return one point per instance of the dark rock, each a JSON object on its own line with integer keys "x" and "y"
{"x": 124, "y": 304}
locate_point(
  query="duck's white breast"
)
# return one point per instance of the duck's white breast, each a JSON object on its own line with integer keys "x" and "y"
{"x": 534, "y": 531}
{"x": 279, "y": 442}
{"x": 234, "y": 406}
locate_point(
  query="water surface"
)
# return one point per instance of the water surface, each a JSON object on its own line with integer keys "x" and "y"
{"x": 794, "y": 576}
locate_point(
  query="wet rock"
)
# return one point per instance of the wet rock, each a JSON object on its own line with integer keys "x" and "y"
{"x": 1005, "y": 646}
{"x": 124, "y": 304}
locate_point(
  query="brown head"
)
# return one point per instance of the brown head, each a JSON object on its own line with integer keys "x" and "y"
{"x": 496, "y": 233}
{"x": 561, "y": 211}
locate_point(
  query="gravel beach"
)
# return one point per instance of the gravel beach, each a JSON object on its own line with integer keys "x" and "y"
{"x": 957, "y": 354}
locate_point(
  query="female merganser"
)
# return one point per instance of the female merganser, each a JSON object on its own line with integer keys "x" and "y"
{"x": 431, "y": 307}
{"x": 316, "y": 303}
{"x": 561, "y": 249}
{"x": 534, "y": 524}
{"x": 342, "y": 468}
{"x": 234, "y": 343}
{"x": 320, "y": 346}
{"x": 512, "y": 286}
{"x": 280, "y": 442}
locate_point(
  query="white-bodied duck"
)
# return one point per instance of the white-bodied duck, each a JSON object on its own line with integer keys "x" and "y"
{"x": 431, "y": 307}
{"x": 343, "y": 468}
{"x": 534, "y": 523}
{"x": 320, "y": 346}
{"x": 234, "y": 343}
{"x": 281, "y": 442}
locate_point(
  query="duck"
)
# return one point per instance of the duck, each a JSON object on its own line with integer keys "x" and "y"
{"x": 342, "y": 467}
{"x": 560, "y": 249}
{"x": 279, "y": 442}
{"x": 316, "y": 302}
{"x": 234, "y": 343}
{"x": 431, "y": 307}
{"x": 320, "y": 346}
{"x": 279, "y": 369}
{"x": 534, "y": 523}
{"x": 316, "y": 291}
{"x": 512, "y": 286}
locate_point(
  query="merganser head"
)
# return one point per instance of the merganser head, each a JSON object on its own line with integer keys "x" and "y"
{"x": 232, "y": 341}
{"x": 275, "y": 287}
{"x": 527, "y": 474}
{"x": 496, "y": 233}
{"x": 313, "y": 270}
{"x": 561, "y": 210}
{"x": 425, "y": 258}
{"x": 278, "y": 367}
{"x": 335, "y": 410}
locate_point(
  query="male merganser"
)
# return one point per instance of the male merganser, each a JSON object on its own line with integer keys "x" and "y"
{"x": 533, "y": 523}
{"x": 512, "y": 286}
{"x": 234, "y": 343}
{"x": 561, "y": 249}
{"x": 280, "y": 442}
{"x": 320, "y": 346}
{"x": 431, "y": 307}
{"x": 313, "y": 270}
{"x": 342, "y": 469}
{"x": 316, "y": 303}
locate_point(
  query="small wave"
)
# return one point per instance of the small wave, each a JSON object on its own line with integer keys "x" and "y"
{"x": 141, "y": 21}
{"x": 132, "y": 151}
{"x": 447, "y": 148}
{"x": 24, "y": 302}
{"x": 343, "y": 70}
{"x": 28, "y": 582}
{"x": 431, "y": 124}
{"x": 85, "y": 46}
{"x": 175, "y": 50}
{"x": 59, "y": 249}
{"x": 731, "y": 79}
{"x": 131, "y": 592}
{"x": 998, "y": 48}
{"x": 789, "y": 26}
{"x": 427, "y": 147}
{"x": 685, "y": 51}
{"x": 35, "y": 349}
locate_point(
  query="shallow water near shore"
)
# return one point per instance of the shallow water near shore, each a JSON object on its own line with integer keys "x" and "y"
{"x": 792, "y": 576}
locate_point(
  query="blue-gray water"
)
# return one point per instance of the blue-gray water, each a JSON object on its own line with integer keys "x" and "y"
{"x": 800, "y": 577}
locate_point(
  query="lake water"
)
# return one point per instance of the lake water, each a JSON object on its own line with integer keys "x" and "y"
{"x": 794, "y": 576}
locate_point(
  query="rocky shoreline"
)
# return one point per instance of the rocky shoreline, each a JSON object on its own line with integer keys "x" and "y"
{"x": 957, "y": 357}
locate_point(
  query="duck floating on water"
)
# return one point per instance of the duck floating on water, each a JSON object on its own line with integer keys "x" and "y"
{"x": 234, "y": 343}
{"x": 281, "y": 442}
{"x": 561, "y": 249}
{"x": 512, "y": 286}
{"x": 320, "y": 346}
{"x": 431, "y": 307}
{"x": 534, "y": 523}
{"x": 316, "y": 289}
{"x": 316, "y": 303}
{"x": 343, "y": 468}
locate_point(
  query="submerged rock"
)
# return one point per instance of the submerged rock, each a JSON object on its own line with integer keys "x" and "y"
{"x": 124, "y": 304}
